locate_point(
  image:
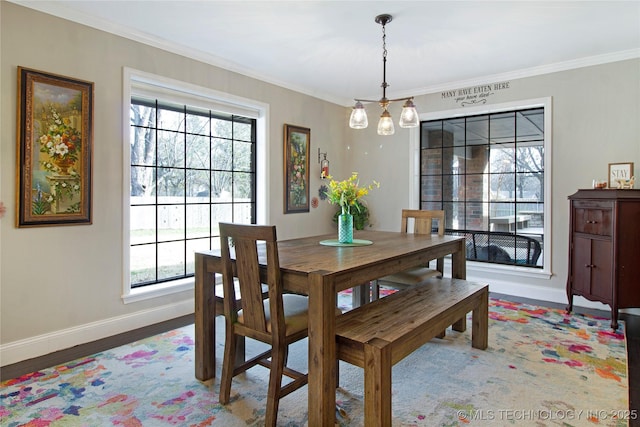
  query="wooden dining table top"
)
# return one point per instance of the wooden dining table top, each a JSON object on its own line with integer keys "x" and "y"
{"x": 305, "y": 255}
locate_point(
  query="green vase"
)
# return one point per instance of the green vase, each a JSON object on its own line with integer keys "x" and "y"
{"x": 345, "y": 227}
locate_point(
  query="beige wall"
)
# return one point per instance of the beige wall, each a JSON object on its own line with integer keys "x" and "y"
{"x": 60, "y": 286}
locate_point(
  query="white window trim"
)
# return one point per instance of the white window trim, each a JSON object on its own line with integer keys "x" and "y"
{"x": 135, "y": 81}
{"x": 414, "y": 178}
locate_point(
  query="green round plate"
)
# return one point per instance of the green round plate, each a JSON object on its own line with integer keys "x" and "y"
{"x": 356, "y": 242}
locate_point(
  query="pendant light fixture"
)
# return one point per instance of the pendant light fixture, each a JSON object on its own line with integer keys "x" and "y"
{"x": 409, "y": 115}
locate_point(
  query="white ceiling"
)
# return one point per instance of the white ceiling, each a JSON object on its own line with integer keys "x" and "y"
{"x": 333, "y": 49}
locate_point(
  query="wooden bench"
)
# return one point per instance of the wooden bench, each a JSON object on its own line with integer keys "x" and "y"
{"x": 378, "y": 335}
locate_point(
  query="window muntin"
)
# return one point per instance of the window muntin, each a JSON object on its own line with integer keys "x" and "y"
{"x": 487, "y": 172}
{"x": 190, "y": 168}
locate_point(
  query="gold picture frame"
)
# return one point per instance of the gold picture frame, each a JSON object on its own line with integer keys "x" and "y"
{"x": 297, "y": 143}
{"x": 54, "y": 149}
{"x": 619, "y": 171}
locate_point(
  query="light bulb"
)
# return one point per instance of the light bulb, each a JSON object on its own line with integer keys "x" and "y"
{"x": 385, "y": 125}
{"x": 358, "y": 119}
{"x": 409, "y": 116}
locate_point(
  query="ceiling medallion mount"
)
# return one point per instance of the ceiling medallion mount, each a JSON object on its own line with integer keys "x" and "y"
{"x": 384, "y": 19}
{"x": 409, "y": 115}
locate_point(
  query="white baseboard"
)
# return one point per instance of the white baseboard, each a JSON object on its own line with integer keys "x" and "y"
{"x": 542, "y": 293}
{"x": 551, "y": 295}
{"x": 29, "y": 348}
{"x": 509, "y": 280}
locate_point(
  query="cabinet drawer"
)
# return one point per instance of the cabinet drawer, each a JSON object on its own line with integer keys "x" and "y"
{"x": 593, "y": 221}
{"x": 593, "y": 204}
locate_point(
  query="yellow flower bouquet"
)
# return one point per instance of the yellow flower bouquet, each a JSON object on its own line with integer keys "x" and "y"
{"x": 347, "y": 193}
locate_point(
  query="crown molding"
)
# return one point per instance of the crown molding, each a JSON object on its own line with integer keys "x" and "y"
{"x": 530, "y": 72}
{"x": 61, "y": 11}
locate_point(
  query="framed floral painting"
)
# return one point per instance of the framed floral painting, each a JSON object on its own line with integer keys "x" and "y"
{"x": 55, "y": 115}
{"x": 297, "y": 142}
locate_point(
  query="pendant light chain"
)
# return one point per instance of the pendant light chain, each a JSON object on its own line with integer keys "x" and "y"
{"x": 384, "y": 42}
{"x": 384, "y": 64}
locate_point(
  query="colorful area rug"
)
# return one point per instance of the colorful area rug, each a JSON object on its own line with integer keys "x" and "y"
{"x": 542, "y": 368}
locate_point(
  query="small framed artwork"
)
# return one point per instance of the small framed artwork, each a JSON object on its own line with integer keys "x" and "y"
{"x": 54, "y": 152}
{"x": 620, "y": 175}
{"x": 297, "y": 143}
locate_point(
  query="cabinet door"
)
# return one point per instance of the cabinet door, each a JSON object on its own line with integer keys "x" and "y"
{"x": 580, "y": 265}
{"x": 591, "y": 268}
{"x": 628, "y": 248}
{"x": 601, "y": 277}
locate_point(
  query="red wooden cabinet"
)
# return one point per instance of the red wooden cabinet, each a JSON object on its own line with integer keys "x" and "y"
{"x": 604, "y": 248}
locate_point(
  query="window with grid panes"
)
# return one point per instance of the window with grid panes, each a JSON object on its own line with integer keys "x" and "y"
{"x": 190, "y": 169}
{"x": 487, "y": 173}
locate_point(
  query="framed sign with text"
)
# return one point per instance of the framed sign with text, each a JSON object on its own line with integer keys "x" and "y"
{"x": 620, "y": 174}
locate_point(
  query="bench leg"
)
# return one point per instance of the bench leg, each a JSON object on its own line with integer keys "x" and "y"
{"x": 480, "y": 322}
{"x": 460, "y": 325}
{"x": 377, "y": 383}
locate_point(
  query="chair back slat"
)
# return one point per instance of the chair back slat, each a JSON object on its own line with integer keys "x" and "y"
{"x": 249, "y": 284}
{"x": 422, "y": 221}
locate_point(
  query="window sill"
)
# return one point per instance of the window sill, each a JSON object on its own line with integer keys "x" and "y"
{"x": 484, "y": 269}
{"x": 507, "y": 270}
{"x": 158, "y": 290}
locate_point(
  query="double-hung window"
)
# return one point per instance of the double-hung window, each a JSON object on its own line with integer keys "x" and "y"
{"x": 191, "y": 166}
{"x": 486, "y": 171}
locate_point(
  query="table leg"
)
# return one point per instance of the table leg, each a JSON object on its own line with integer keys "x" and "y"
{"x": 459, "y": 271}
{"x": 375, "y": 290}
{"x": 459, "y": 262}
{"x": 322, "y": 351}
{"x": 205, "y": 316}
{"x": 360, "y": 295}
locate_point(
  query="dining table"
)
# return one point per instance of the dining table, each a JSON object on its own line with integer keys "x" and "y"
{"x": 319, "y": 267}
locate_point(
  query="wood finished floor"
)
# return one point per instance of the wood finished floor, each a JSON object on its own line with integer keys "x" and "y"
{"x": 15, "y": 370}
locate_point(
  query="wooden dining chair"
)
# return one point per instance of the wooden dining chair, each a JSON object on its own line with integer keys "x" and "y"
{"x": 279, "y": 320}
{"x": 422, "y": 224}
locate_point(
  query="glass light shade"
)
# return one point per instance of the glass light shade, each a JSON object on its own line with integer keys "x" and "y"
{"x": 409, "y": 116}
{"x": 385, "y": 125}
{"x": 324, "y": 167}
{"x": 358, "y": 119}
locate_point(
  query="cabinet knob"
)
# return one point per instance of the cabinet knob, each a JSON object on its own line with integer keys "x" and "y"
{"x": 589, "y": 266}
